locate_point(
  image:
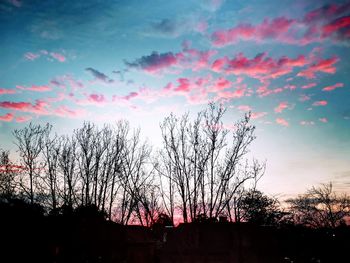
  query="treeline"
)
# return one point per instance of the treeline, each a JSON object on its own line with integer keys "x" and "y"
{"x": 200, "y": 173}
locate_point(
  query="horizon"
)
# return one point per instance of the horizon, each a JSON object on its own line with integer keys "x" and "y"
{"x": 105, "y": 61}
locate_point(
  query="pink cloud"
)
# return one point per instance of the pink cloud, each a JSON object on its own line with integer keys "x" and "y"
{"x": 23, "y": 118}
{"x": 220, "y": 84}
{"x": 282, "y": 106}
{"x": 42, "y": 88}
{"x": 7, "y": 91}
{"x": 264, "y": 90}
{"x": 40, "y": 106}
{"x": 64, "y": 111}
{"x": 277, "y": 28}
{"x": 335, "y": 26}
{"x": 58, "y": 56}
{"x": 333, "y": 87}
{"x": 261, "y": 66}
{"x": 327, "y": 11}
{"x": 258, "y": 115}
{"x": 184, "y": 85}
{"x": 282, "y": 122}
{"x": 131, "y": 95}
{"x": 7, "y": 117}
{"x": 66, "y": 81}
{"x": 195, "y": 59}
{"x": 199, "y": 97}
{"x": 194, "y": 90}
{"x": 309, "y": 86}
{"x": 218, "y": 64}
{"x": 49, "y": 55}
{"x": 323, "y": 65}
{"x": 320, "y": 103}
{"x": 318, "y": 25}
{"x": 237, "y": 93}
{"x": 59, "y": 97}
{"x": 97, "y": 99}
{"x": 31, "y": 56}
{"x": 244, "y": 108}
{"x": 324, "y": 120}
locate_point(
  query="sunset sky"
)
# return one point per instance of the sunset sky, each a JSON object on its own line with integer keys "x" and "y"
{"x": 288, "y": 62}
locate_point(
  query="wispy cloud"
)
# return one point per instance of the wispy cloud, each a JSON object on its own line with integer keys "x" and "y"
{"x": 282, "y": 106}
{"x": 304, "y": 97}
{"x": 323, "y": 65}
{"x": 258, "y": 115}
{"x": 7, "y": 117}
{"x": 43, "y": 88}
{"x": 23, "y": 118}
{"x": 333, "y": 87}
{"x": 154, "y": 62}
{"x": 64, "y": 111}
{"x": 282, "y": 122}
{"x": 99, "y": 76}
{"x": 169, "y": 62}
{"x": 277, "y": 28}
{"x": 328, "y": 22}
{"x": 260, "y": 67}
{"x": 60, "y": 57}
{"x": 7, "y": 91}
{"x": 309, "y": 86}
{"x": 40, "y": 107}
{"x": 320, "y": 103}
{"x": 307, "y": 123}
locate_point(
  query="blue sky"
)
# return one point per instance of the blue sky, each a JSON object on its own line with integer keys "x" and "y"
{"x": 286, "y": 61}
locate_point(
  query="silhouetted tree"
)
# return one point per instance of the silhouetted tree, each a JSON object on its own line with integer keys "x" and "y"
{"x": 320, "y": 207}
{"x": 114, "y": 161}
{"x": 67, "y": 164}
{"x": 257, "y": 208}
{"x": 29, "y": 141}
{"x": 7, "y": 175}
{"x": 203, "y": 164}
{"x": 164, "y": 220}
{"x": 137, "y": 181}
{"x": 51, "y": 152}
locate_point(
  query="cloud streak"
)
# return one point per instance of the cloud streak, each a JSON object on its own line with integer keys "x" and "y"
{"x": 328, "y": 22}
{"x": 40, "y": 107}
{"x": 7, "y": 91}
{"x": 282, "y": 122}
{"x": 7, "y": 117}
{"x": 333, "y": 87}
{"x": 99, "y": 76}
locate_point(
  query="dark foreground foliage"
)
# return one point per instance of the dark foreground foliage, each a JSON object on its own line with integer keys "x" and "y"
{"x": 84, "y": 235}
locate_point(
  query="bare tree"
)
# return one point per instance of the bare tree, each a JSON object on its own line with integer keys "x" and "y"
{"x": 113, "y": 164}
{"x": 134, "y": 177}
{"x": 86, "y": 138}
{"x": 51, "y": 152}
{"x": 29, "y": 141}
{"x": 8, "y": 173}
{"x": 206, "y": 167}
{"x": 67, "y": 165}
{"x": 320, "y": 207}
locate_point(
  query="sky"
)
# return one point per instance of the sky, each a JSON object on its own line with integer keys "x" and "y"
{"x": 286, "y": 61}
